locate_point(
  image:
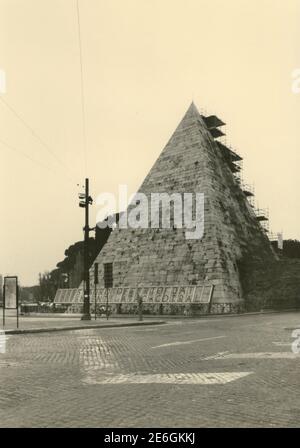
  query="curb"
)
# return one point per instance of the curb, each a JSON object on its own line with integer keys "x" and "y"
{"x": 253, "y": 313}
{"x": 82, "y": 327}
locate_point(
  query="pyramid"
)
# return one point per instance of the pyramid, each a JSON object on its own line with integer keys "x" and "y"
{"x": 164, "y": 259}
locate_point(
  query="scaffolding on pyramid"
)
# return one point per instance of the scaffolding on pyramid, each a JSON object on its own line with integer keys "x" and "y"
{"x": 235, "y": 163}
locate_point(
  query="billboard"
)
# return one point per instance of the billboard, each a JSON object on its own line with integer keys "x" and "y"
{"x": 10, "y": 293}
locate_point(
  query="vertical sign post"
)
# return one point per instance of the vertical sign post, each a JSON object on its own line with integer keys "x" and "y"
{"x": 107, "y": 303}
{"x": 108, "y": 281}
{"x": 211, "y": 293}
{"x": 140, "y": 304}
{"x": 11, "y": 296}
{"x": 95, "y": 284}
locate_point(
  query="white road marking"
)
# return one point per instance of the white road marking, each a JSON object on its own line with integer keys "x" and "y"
{"x": 169, "y": 324}
{"x": 259, "y": 355}
{"x": 283, "y": 344}
{"x": 266, "y": 355}
{"x": 171, "y": 378}
{"x": 97, "y": 357}
{"x": 188, "y": 342}
{"x": 220, "y": 355}
{"x": 181, "y": 322}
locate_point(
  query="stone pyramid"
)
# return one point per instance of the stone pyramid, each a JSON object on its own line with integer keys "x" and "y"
{"x": 192, "y": 161}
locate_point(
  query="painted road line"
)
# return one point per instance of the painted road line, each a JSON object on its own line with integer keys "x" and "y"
{"x": 259, "y": 355}
{"x": 220, "y": 355}
{"x": 265, "y": 355}
{"x": 171, "y": 378}
{"x": 188, "y": 342}
{"x": 282, "y": 344}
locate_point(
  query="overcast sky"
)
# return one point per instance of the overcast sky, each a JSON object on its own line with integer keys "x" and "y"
{"x": 144, "y": 61}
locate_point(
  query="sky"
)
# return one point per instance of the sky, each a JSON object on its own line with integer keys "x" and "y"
{"x": 143, "y": 63}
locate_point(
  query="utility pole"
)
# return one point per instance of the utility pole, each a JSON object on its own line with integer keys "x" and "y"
{"x": 108, "y": 282}
{"x": 85, "y": 201}
{"x": 95, "y": 286}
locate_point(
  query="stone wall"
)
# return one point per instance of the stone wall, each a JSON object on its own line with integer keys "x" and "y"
{"x": 275, "y": 285}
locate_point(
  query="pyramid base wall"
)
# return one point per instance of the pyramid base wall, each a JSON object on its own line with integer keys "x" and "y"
{"x": 214, "y": 296}
{"x": 156, "y": 309}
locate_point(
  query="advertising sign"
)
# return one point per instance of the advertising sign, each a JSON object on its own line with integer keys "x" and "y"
{"x": 10, "y": 296}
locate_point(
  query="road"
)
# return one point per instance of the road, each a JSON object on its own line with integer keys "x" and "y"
{"x": 209, "y": 372}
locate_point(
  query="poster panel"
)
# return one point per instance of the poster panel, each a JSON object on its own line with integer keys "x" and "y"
{"x": 10, "y": 293}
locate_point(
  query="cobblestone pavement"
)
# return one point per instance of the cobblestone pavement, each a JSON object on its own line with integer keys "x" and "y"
{"x": 219, "y": 372}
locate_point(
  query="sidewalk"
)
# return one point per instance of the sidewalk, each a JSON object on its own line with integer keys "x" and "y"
{"x": 38, "y": 324}
{"x": 43, "y": 322}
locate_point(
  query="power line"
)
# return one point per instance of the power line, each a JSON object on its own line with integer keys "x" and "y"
{"x": 82, "y": 89}
{"x": 33, "y": 132}
{"x": 13, "y": 148}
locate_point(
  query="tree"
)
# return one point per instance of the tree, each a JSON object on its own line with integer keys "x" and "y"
{"x": 291, "y": 248}
{"x": 69, "y": 272}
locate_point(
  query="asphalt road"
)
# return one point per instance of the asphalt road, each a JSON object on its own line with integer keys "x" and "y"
{"x": 217, "y": 372}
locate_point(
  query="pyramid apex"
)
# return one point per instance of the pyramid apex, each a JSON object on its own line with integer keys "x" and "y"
{"x": 192, "y": 112}
{"x": 193, "y": 109}
{"x": 192, "y": 115}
